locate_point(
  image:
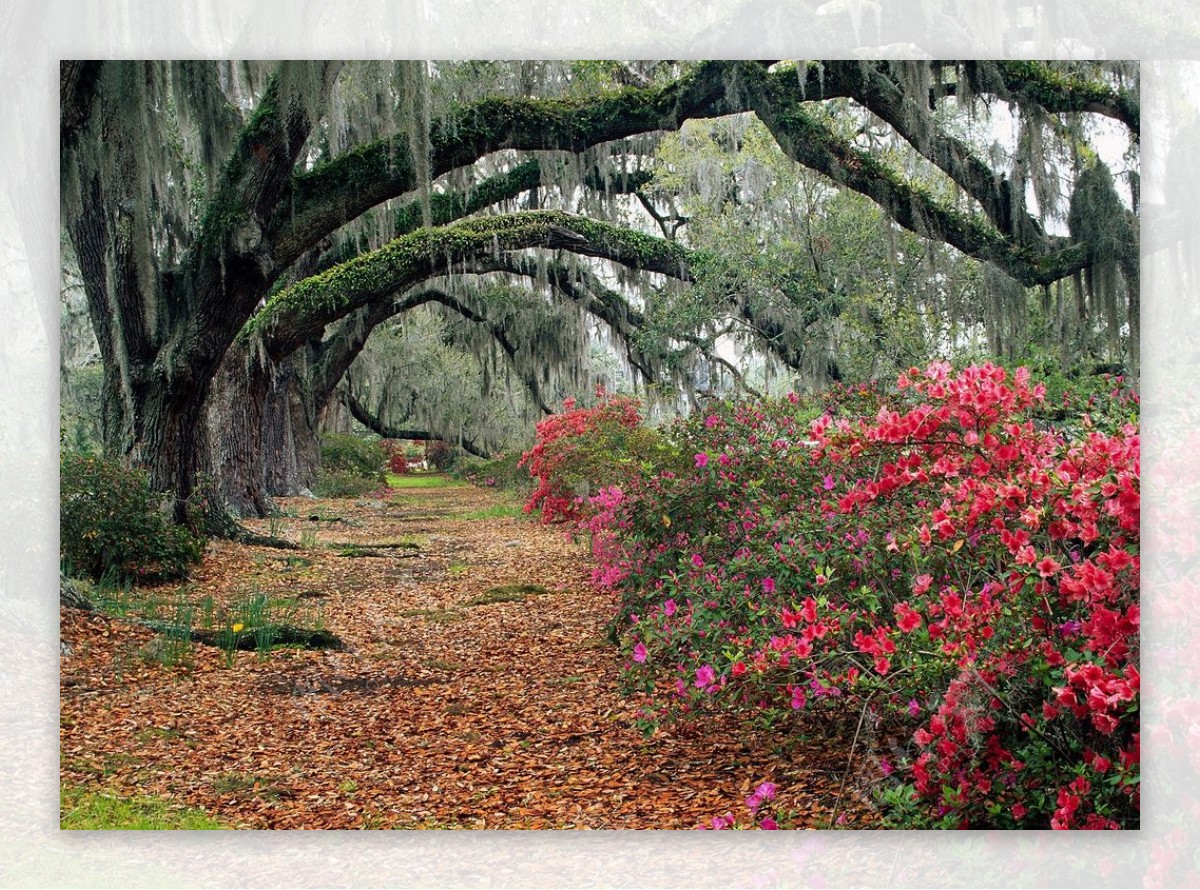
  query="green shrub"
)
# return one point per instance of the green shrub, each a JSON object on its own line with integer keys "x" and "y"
{"x": 503, "y": 471}
{"x": 343, "y": 484}
{"x": 112, "y": 526}
{"x": 347, "y": 453}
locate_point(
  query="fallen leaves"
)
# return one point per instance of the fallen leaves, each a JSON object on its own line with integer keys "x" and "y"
{"x": 475, "y": 692}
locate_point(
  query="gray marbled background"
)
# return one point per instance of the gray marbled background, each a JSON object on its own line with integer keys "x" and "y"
{"x": 35, "y": 35}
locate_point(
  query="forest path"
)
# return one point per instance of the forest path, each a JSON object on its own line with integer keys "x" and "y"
{"x": 476, "y": 691}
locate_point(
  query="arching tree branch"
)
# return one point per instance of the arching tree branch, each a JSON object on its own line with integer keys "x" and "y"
{"x": 372, "y": 422}
{"x": 303, "y": 310}
{"x": 338, "y": 191}
{"x": 1057, "y": 92}
{"x": 810, "y": 142}
{"x": 447, "y": 207}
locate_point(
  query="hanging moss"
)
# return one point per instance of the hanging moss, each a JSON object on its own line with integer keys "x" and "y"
{"x": 1100, "y": 222}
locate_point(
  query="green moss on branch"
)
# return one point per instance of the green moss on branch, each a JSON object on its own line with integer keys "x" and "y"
{"x": 303, "y": 310}
{"x": 1057, "y": 91}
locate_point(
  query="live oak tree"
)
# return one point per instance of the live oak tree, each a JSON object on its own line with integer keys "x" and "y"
{"x": 236, "y": 225}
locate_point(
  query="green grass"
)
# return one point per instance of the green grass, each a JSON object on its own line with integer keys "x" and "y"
{"x": 434, "y": 616}
{"x": 442, "y": 664}
{"x": 84, "y": 810}
{"x": 508, "y": 593}
{"x": 496, "y": 511}
{"x": 422, "y": 480}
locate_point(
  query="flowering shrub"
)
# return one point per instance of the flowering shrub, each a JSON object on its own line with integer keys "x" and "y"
{"x": 398, "y": 463}
{"x": 586, "y": 449}
{"x": 937, "y": 561}
{"x": 758, "y": 806}
{"x": 441, "y": 455}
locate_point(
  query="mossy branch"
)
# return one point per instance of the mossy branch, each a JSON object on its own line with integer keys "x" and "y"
{"x": 810, "y": 142}
{"x": 320, "y": 200}
{"x": 303, "y": 310}
{"x": 447, "y": 207}
{"x": 1058, "y": 92}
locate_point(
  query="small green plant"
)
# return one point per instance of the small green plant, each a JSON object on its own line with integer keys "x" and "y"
{"x": 176, "y": 648}
{"x": 433, "y": 616}
{"x": 234, "y": 783}
{"x": 112, "y": 524}
{"x": 257, "y": 612}
{"x": 308, "y": 539}
{"x": 114, "y": 596}
{"x": 457, "y": 567}
{"x": 248, "y": 616}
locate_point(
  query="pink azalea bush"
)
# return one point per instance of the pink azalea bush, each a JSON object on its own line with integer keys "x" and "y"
{"x": 941, "y": 560}
{"x": 587, "y": 449}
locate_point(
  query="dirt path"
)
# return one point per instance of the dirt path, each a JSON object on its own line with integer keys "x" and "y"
{"x": 467, "y": 696}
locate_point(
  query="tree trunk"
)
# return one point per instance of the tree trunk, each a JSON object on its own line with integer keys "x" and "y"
{"x": 291, "y": 445}
{"x": 235, "y": 414}
{"x": 267, "y": 420}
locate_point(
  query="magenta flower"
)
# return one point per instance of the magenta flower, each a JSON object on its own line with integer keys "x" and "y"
{"x": 720, "y": 822}
{"x": 705, "y": 677}
{"x": 768, "y": 585}
{"x": 701, "y": 460}
{"x": 669, "y": 608}
{"x": 639, "y": 653}
{"x": 827, "y": 483}
{"x": 698, "y": 560}
{"x": 768, "y": 824}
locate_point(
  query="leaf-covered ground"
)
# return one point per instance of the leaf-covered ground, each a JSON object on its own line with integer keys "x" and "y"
{"x": 476, "y": 690}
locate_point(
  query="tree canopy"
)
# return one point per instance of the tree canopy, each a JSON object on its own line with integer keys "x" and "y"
{"x": 241, "y": 229}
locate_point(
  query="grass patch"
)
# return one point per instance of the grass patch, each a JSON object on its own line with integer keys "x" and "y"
{"x": 422, "y": 480}
{"x": 496, "y": 511}
{"x": 387, "y": 548}
{"x": 434, "y": 616}
{"x": 357, "y": 551}
{"x": 457, "y": 567}
{"x": 84, "y": 810}
{"x": 441, "y": 664}
{"x": 507, "y": 593}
